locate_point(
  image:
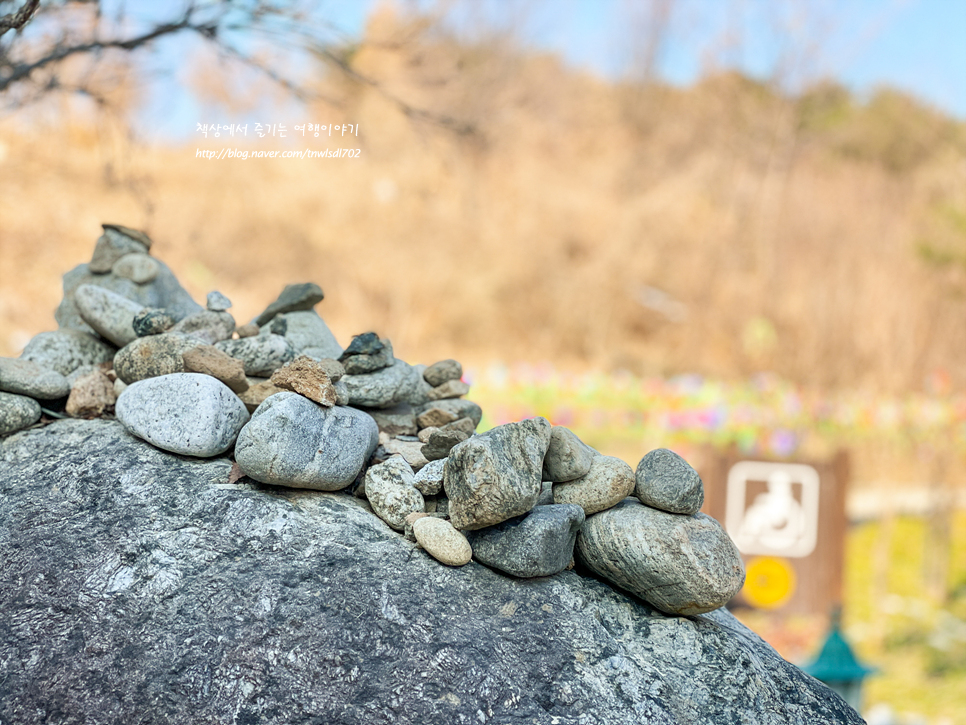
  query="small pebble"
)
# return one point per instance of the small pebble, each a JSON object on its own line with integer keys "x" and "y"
{"x": 441, "y": 541}
{"x": 217, "y": 302}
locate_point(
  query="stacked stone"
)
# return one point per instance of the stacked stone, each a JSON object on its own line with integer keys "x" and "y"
{"x": 299, "y": 411}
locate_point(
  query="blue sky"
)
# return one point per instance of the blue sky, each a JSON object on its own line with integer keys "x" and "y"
{"x": 916, "y": 45}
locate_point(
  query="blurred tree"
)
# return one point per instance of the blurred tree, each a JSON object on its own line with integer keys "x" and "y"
{"x": 65, "y": 46}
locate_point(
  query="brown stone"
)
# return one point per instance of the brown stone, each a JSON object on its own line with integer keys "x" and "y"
{"x": 249, "y": 330}
{"x": 307, "y": 377}
{"x": 466, "y": 425}
{"x": 435, "y": 418}
{"x": 449, "y": 389}
{"x": 257, "y": 393}
{"x": 90, "y": 395}
{"x": 211, "y": 361}
{"x": 425, "y": 434}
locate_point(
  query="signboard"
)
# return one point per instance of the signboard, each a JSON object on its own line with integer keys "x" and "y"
{"x": 788, "y": 520}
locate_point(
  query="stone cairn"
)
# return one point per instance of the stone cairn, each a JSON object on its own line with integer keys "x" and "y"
{"x": 298, "y": 410}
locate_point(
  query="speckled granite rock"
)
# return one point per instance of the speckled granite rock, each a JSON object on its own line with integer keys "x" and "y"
{"x": 151, "y": 356}
{"x": 539, "y": 543}
{"x": 307, "y": 333}
{"x": 188, "y": 413}
{"x": 261, "y": 355}
{"x": 110, "y": 314}
{"x": 666, "y": 481}
{"x": 196, "y": 601}
{"x": 26, "y": 377}
{"x": 67, "y": 350}
{"x": 17, "y": 412}
{"x": 495, "y": 476}
{"x": 390, "y": 490}
{"x": 383, "y": 388}
{"x": 291, "y": 441}
{"x": 568, "y": 457}
{"x": 679, "y": 564}
{"x": 608, "y": 482}
{"x": 163, "y": 292}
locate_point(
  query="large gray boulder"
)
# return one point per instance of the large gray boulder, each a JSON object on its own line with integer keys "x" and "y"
{"x": 138, "y": 587}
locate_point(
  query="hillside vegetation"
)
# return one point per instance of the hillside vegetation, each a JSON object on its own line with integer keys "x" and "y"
{"x": 720, "y": 229}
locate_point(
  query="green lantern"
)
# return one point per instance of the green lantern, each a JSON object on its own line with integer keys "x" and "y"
{"x": 837, "y": 666}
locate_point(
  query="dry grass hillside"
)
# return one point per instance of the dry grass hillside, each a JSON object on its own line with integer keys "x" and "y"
{"x": 721, "y": 228}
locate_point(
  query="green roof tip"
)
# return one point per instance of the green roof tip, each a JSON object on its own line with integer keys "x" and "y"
{"x": 836, "y": 662}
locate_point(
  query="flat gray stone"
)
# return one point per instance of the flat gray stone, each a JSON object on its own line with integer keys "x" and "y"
{"x": 666, "y": 481}
{"x": 679, "y": 564}
{"x": 442, "y": 372}
{"x": 186, "y": 413}
{"x": 361, "y": 364}
{"x": 441, "y": 442}
{"x": 390, "y": 491}
{"x": 109, "y": 314}
{"x": 112, "y": 246}
{"x": 25, "y": 377}
{"x": 294, "y": 298}
{"x": 539, "y": 543}
{"x": 149, "y": 357}
{"x": 608, "y": 482}
{"x": 291, "y": 441}
{"x": 383, "y": 388}
{"x": 66, "y": 350}
{"x": 261, "y": 355}
{"x": 17, "y": 412}
{"x": 307, "y": 332}
{"x": 151, "y": 321}
{"x": 217, "y": 302}
{"x": 495, "y": 476}
{"x": 139, "y": 268}
{"x": 397, "y": 420}
{"x": 143, "y": 587}
{"x": 163, "y": 292}
{"x": 568, "y": 457}
{"x": 449, "y": 389}
{"x": 429, "y": 478}
{"x": 207, "y": 326}
{"x": 460, "y": 407}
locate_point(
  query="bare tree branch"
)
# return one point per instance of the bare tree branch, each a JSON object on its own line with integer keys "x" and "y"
{"x": 15, "y": 21}
{"x": 24, "y": 70}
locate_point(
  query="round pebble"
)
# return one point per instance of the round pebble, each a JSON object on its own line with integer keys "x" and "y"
{"x": 442, "y": 542}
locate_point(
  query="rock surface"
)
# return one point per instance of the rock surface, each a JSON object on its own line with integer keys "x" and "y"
{"x": 291, "y": 441}
{"x": 26, "y": 377}
{"x": 209, "y": 360}
{"x": 139, "y": 268}
{"x": 66, "y": 350}
{"x": 608, "y": 482}
{"x": 163, "y": 292}
{"x": 568, "y": 457}
{"x": 110, "y": 314}
{"x": 441, "y": 541}
{"x": 294, "y": 297}
{"x": 495, "y": 476}
{"x": 679, "y": 564}
{"x": 151, "y": 356}
{"x": 383, "y": 388}
{"x": 207, "y": 326}
{"x": 540, "y": 543}
{"x": 17, "y": 412}
{"x": 396, "y": 420}
{"x": 193, "y": 600}
{"x": 442, "y": 372}
{"x": 390, "y": 490}
{"x": 460, "y": 407}
{"x": 90, "y": 395}
{"x": 152, "y": 321}
{"x": 307, "y": 333}
{"x": 187, "y": 413}
{"x": 261, "y": 355}
{"x": 306, "y": 376}
{"x": 666, "y": 481}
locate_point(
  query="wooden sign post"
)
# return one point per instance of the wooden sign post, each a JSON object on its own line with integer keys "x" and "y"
{"x": 788, "y": 520}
